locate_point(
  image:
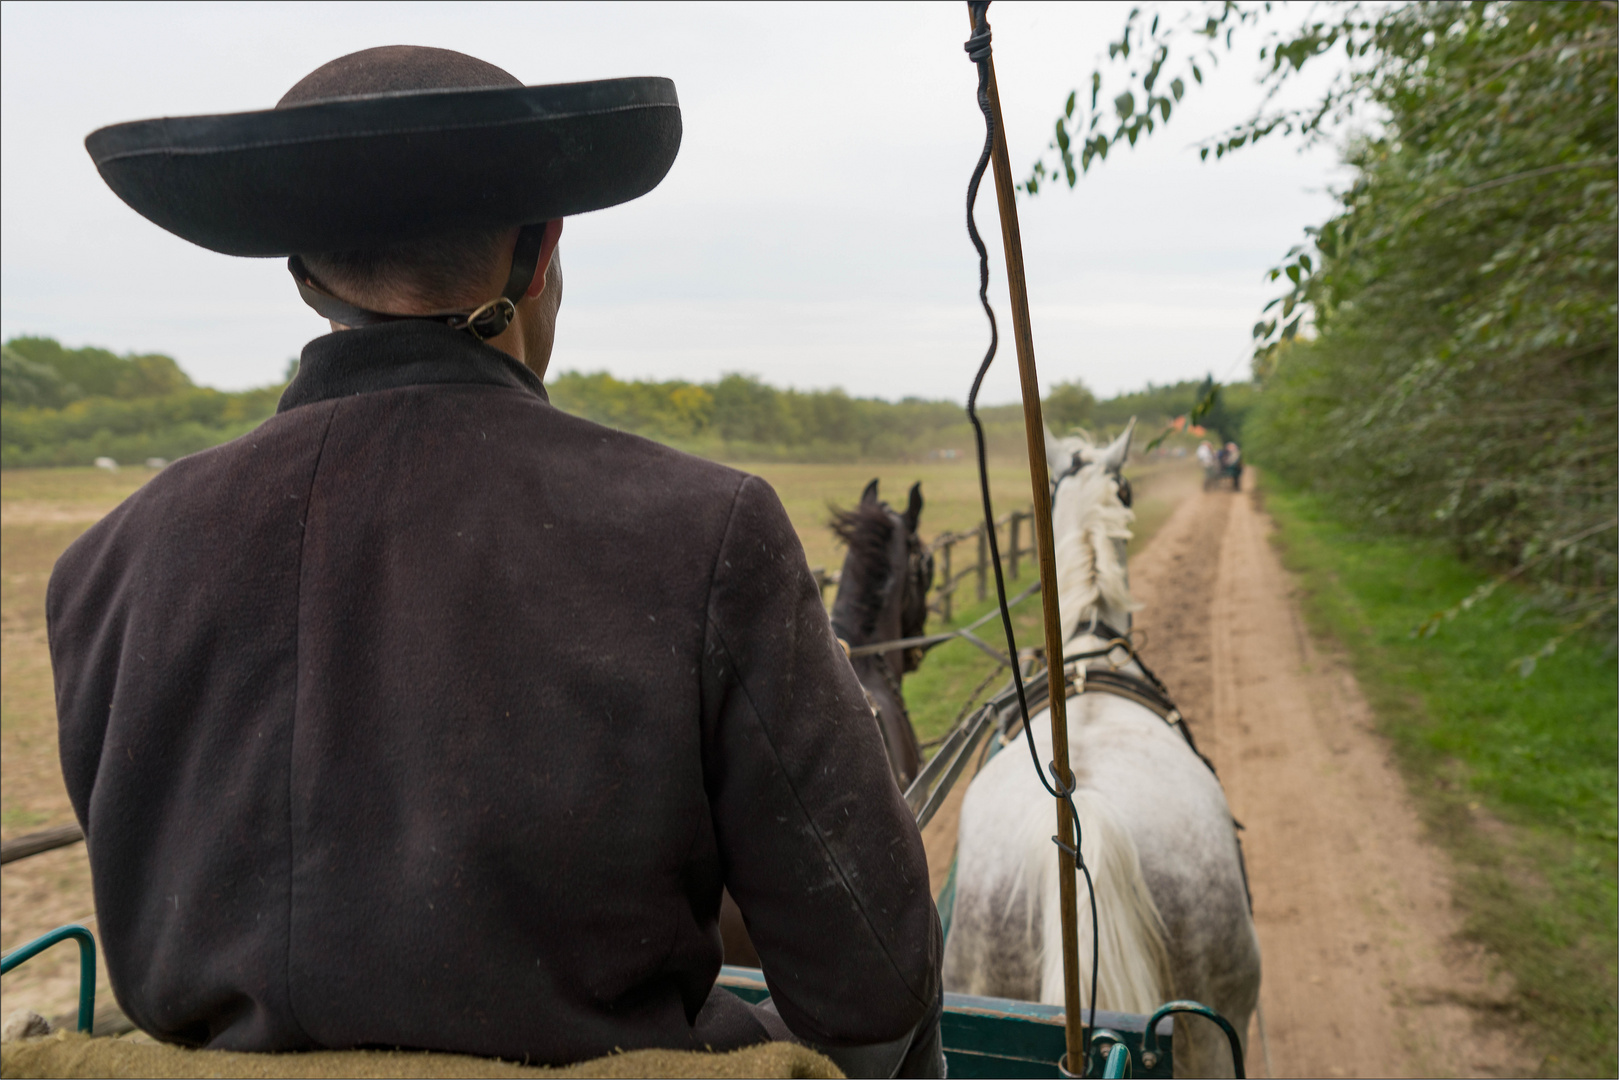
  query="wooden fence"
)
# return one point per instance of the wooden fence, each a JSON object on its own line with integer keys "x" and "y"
{"x": 1014, "y": 532}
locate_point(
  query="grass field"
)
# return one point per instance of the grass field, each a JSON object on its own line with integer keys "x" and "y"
{"x": 41, "y": 512}
{"x": 949, "y": 495}
{"x": 1516, "y": 776}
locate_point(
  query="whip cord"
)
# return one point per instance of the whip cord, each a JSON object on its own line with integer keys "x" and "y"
{"x": 978, "y": 51}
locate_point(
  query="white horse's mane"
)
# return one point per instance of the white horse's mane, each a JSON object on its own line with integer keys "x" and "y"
{"x": 1086, "y": 521}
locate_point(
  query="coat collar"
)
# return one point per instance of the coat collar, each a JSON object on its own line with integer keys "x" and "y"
{"x": 395, "y": 355}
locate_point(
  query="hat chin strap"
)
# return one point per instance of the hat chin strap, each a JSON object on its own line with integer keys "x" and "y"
{"x": 482, "y": 322}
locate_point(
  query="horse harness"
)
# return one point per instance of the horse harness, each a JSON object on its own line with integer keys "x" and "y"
{"x": 888, "y": 679}
{"x": 1146, "y": 690}
{"x": 1076, "y": 463}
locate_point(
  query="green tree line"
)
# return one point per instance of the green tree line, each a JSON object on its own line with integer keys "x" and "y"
{"x": 62, "y": 406}
{"x": 69, "y": 406}
{"x": 1461, "y": 380}
{"x": 738, "y": 416}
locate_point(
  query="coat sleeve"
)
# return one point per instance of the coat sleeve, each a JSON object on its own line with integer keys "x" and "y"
{"x": 820, "y": 851}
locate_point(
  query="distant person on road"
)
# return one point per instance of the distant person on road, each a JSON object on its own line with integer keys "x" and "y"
{"x": 1210, "y": 459}
{"x": 1231, "y": 459}
{"x": 427, "y": 715}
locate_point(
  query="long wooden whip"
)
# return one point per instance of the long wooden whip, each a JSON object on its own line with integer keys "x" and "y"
{"x": 1040, "y": 485}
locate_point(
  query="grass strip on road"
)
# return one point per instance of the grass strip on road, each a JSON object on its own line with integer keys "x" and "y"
{"x": 1515, "y": 776}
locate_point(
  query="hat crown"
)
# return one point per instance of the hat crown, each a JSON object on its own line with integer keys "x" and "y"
{"x": 393, "y": 69}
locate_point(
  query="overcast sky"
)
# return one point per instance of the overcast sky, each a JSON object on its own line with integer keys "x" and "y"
{"x": 811, "y": 231}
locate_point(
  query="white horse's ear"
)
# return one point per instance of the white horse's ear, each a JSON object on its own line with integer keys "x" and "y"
{"x": 1056, "y": 456}
{"x": 1119, "y": 449}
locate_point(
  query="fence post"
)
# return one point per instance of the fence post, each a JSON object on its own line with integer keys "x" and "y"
{"x": 949, "y": 585}
{"x": 1012, "y": 527}
{"x": 983, "y": 559}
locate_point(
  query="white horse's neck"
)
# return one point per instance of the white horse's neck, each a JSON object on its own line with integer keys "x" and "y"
{"x": 1090, "y": 528}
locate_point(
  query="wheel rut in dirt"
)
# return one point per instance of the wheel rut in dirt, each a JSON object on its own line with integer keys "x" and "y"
{"x": 1174, "y": 581}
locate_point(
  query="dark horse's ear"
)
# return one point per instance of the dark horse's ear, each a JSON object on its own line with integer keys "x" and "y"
{"x": 913, "y": 512}
{"x": 870, "y": 494}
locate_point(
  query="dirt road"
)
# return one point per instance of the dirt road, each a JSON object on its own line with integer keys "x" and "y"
{"x": 1363, "y": 975}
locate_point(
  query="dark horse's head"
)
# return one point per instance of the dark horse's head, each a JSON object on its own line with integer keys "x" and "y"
{"x": 882, "y": 596}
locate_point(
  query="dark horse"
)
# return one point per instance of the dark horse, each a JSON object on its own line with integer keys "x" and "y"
{"x": 882, "y": 596}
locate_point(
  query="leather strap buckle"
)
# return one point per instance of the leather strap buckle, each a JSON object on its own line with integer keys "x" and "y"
{"x": 487, "y": 320}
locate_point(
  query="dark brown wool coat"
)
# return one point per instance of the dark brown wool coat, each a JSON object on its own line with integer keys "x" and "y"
{"x": 427, "y": 715}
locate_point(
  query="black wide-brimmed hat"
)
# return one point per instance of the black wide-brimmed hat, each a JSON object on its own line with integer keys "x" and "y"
{"x": 391, "y": 145}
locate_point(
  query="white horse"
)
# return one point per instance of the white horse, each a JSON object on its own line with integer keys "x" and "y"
{"x": 1172, "y": 904}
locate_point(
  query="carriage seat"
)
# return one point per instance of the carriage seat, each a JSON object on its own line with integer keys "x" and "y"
{"x": 71, "y": 1054}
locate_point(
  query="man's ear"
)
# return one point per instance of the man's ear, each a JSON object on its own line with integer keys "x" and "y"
{"x": 548, "y": 247}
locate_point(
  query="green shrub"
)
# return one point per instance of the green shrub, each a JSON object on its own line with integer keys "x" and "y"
{"x": 71, "y": 406}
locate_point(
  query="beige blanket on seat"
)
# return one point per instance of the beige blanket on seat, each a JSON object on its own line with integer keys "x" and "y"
{"x": 69, "y": 1054}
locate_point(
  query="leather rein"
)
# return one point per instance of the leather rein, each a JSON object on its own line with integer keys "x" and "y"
{"x": 1146, "y": 689}
{"x": 483, "y": 322}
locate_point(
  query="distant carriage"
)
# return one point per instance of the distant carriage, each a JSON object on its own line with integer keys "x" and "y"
{"x": 1222, "y": 465}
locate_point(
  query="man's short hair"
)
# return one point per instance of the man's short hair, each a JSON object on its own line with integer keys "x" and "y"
{"x": 443, "y": 272}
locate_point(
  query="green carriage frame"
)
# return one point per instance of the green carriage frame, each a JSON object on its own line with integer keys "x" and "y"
{"x": 982, "y": 1036}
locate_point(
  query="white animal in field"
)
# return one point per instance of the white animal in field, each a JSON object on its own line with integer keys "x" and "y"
{"x": 1172, "y": 904}
{"x": 106, "y": 463}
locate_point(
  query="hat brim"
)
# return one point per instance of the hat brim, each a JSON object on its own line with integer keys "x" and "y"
{"x": 367, "y": 171}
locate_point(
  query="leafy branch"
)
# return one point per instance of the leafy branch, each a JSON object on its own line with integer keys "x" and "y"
{"x": 1208, "y": 398}
{"x": 1440, "y": 356}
